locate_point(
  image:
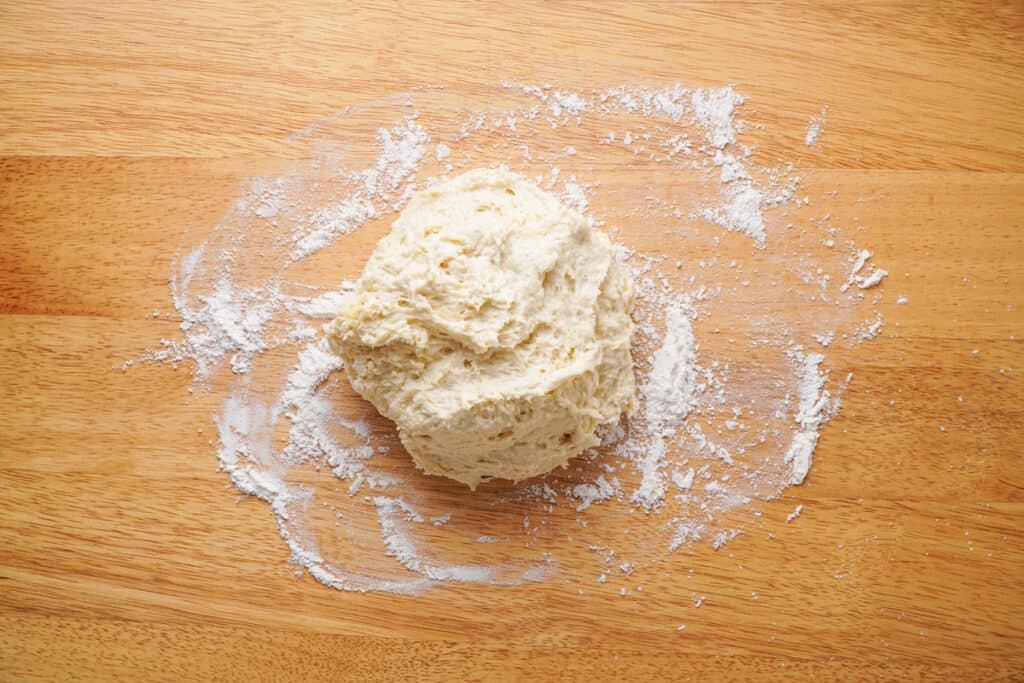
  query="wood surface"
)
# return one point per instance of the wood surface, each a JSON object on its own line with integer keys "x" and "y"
{"x": 123, "y": 556}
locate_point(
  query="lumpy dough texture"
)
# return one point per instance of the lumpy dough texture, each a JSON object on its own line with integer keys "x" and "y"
{"x": 492, "y": 325}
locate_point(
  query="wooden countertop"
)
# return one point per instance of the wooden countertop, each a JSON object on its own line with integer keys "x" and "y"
{"x": 123, "y": 555}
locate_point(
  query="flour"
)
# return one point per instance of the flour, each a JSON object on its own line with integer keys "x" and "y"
{"x": 870, "y": 329}
{"x": 682, "y": 481}
{"x": 873, "y": 279}
{"x": 668, "y": 392}
{"x": 794, "y": 514}
{"x": 402, "y": 148}
{"x": 862, "y": 258}
{"x": 714, "y": 109}
{"x": 229, "y": 323}
{"x": 651, "y": 457}
{"x": 811, "y": 412}
{"x": 325, "y": 306}
{"x": 815, "y": 127}
{"x": 718, "y": 433}
{"x": 826, "y": 338}
{"x": 741, "y": 212}
{"x": 401, "y": 547}
{"x": 588, "y": 494}
{"x": 330, "y": 223}
{"x": 575, "y": 196}
{"x": 668, "y": 397}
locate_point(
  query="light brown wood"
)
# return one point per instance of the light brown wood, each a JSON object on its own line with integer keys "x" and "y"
{"x": 123, "y": 555}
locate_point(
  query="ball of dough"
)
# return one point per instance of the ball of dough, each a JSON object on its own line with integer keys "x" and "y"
{"x": 492, "y": 325}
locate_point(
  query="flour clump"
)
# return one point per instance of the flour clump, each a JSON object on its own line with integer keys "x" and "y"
{"x": 492, "y": 325}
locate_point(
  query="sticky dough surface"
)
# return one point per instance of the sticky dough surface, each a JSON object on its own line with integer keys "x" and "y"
{"x": 492, "y": 326}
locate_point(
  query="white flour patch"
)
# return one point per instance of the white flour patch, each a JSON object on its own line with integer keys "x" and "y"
{"x": 794, "y": 514}
{"x": 875, "y": 278}
{"x": 714, "y": 110}
{"x": 741, "y": 212}
{"x": 669, "y": 390}
{"x": 811, "y": 412}
{"x": 815, "y": 127}
{"x": 593, "y": 493}
{"x": 732, "y": 402}
{"x": 870, "y": 329}
{"x": 668, "y": 397}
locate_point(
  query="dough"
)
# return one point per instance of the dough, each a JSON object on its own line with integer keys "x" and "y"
{"x": 492, "y": 325}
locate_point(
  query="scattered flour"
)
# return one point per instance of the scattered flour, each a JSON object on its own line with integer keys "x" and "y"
{"x": 811, "y": 412}
{"x": 741, "y": 212}
{"x": 669, "y": 390}
{"x": 815, "y": 127}
{"x": 873, "y": 279}
{"x": 668, "y": 396}
{"x": 714, "y": 110}
{"x": 794, "y": 514}
{"x": 683, "y": 481}
{"x": 712, "y": 438}
{"x": 870, "y": 329}
{"x": 593, "y": 493}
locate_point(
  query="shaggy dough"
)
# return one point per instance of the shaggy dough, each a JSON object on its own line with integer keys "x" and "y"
{"x": 492, "y": 325}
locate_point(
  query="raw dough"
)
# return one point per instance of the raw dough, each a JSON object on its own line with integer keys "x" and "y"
{"x": 492, "y": 325}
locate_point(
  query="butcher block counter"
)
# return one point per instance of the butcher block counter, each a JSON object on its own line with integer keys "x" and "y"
{"x": 124, "y": 124}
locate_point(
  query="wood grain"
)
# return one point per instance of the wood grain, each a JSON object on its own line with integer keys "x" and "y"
{"x": 124, "y": 557}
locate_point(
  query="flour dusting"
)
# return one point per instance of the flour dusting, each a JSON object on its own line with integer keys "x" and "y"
{"x": 744, "y": 293}
{"x": 815, "y": 127}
